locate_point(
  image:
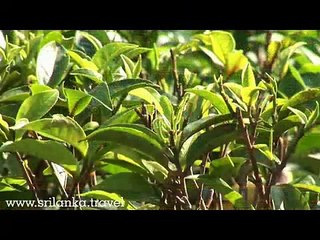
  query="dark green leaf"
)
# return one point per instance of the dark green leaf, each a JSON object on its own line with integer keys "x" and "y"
{"x": 48, "y": 150}
{"x": 211, "y": 139}
{"x": 228, "y": 193}
{"x": 134, "y": 136}
{"x": 202, "y": 123}
{"x": 288, "y": 197}
{"x": 129, "y": 185}
{"x": 61, "y": 128}
{"x": 124, "y": 86}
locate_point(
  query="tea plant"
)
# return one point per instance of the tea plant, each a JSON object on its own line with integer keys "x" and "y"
{"x": 161, "y": 120}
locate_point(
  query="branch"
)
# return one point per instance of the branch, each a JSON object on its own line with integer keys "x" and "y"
{"x": 284, "y": 160}
{"x": 250, "y": 149}
{"x": 178, "y": 90}
{"x": 28, "y": 176}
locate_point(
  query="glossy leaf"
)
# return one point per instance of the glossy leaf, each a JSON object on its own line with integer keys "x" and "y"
{"x": 61, "y": 128}
{"x": 52, "y": 63}
{"x": 300, "y": 114}
{"x": 136, "y": 137}
{"x": 235, "y": 62}
{"x": 18, "y": 94}
{"x": 200, "y": 124}
{"x": 215, "y": 99}
{"x": 288, "y": 197}
{"x": 120, "y": 87}
{"x": 48, "y": 150}
{"x": 77, "y": 101}
{"x": 285, "y": 124}
{"x": 247, "y": 77}
{"x": 228, "y": 193}
{"x": 150, "y": 95}
{"x": 82, "y": 62}
{"x": 302, "y": 97}
{"x": 281, "y": 64}
{"x": 313, "y": 117}
{"x": 211, "y": 139}
{"x": 131, "y": 186}
{"x": 88, "y": 73}
{"x": 307, "y": 187}
{"x": 225, "y": 167}
{"x": 36, "y": 106}
{"x": 272, "y": 52}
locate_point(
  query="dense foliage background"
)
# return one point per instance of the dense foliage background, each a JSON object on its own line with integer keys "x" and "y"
{"x": 161, "y": 119}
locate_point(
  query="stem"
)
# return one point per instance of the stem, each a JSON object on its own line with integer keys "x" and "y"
{"x": 225, "y": 97}
{"x": 277, "y": 172}
{"x": 250, "y": 149}
{"x": 202, "y": 204}
{"x": 28, "y": 176}
{"x": 177, "y": 85}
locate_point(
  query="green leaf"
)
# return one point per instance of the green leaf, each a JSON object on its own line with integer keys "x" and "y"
{"x": 90, "y": 126}
{"x": 18, "y": 94}
{"x": 221, "y": 42}
{"x": 295, "y": 73}
{"x": 156, "y": 170}
{"x": 36, "y": 106}
{"x": 103, "y": 195}
{"x": 150, "y": 95}
{"x": 313, "y": 117}
{"x": 301, "y": 115}
{"x": 88, "y": 73}
{"x": 301, "y": 98}
{"x": 272, "y": 52}
{"x": 61, "y": 128}
{"x": 211, "y": 139}
{"x": 137, "y": 68}
{"x": 265, "y": 150}
{"x": 128, "y": 65}
{"x": 285, "y": 124}
{"x": 225, "y": 167}
{"x": 127, "y": 160}
{"x": 101, "y": 96}
{"x": 48, "y": 150}
{"x": 52, "y": 63}
{"x": 307, "y": 187}
{"x": 167, "y": 108}
{"x": 136, "y": 137}
{"x": 235, "y": 62}
{"x": 228, "y": 193}
{"x": 282, "y": 63}
{"x": 249, "y": 95}
{"x": 215, "y": 99}
{"x": 309, "y": 68}
{"x": 124, "y": 86}
{"x": 105, "y": 58}
{"x": 37, "y": 88}
{"x": 202, "y": 123}
{"x": 131, "y": 186}
{"x": 82, "y": 62}
{"x": 77, "y": 101}
{"x": 247, "y": 77}
{"x": 289, "y": 197}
